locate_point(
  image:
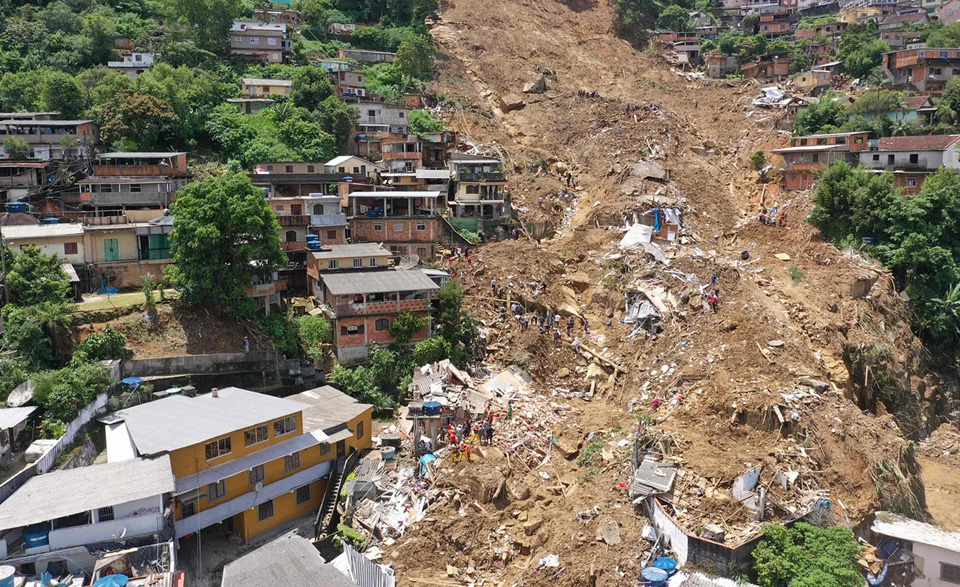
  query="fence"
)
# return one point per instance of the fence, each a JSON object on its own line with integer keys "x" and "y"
{"x": 47, "y": 461}
{"x": 210, "y": 364}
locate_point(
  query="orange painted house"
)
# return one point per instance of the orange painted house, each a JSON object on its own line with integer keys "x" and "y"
{"x": 807, "y": 156}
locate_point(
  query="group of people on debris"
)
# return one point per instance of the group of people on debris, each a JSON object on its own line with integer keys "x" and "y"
{"x": 713, "y": 294}
{"x": 499, "y": 290}
{"x": 462, "y": 437}
{"x": 652, "y": 107}
{"x": 566, "y": 197}
{"x": 589, "y": 94}
{"x": 773, "y": 218}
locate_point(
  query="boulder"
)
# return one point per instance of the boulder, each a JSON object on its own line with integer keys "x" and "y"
{"x": 536, "y": 87}
{"x": 511, "y": 102}
{"x": 567, "y": 447}
{"x": 579, "y": 281}
{"x": 608, "y": 531}
{"x": 531, "y": 526}
{"x": 563, "y": 373}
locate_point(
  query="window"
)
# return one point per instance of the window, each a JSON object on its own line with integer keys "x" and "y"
{"x": 256, "y": 435}
{"x": 351, "y": 329}
{"x": 257, "y": 474}
{"x": 135, "y": 187}
{"x": 359, "y": 429}
{"x": 383, "y": 324}
{"x": 950, "y": 573}
{"x": 280, "y": 207}
{"x": 911, "y": 182}
{"x": 218, "y": 448}
{"x": 377, "y": 226}
{"x": 153, "y": 246}
{"x": 291, "y": 236}
{"x": 105, "y": 514}
{"x": 269, "y": 167}
{"x": 400, "y": 114}
{"x": 914, "y": 157}
{"x": 473, "y": 189}
{"x": 216, "y": 490}
{"x": 372, "y": 113}
{"x": 254, "y": 40}
{"x": 372, "y": 262}
{"x": 333, "y": 264}
{"x": 421, "y": 252}
{"x": 358, "y": 263}
{"x": 324, "y": 449}
{"x": 331, "y": 235}
{"x": 397, "y": 227}
{"x": 187, "y": 509}
{"x": 289, "y": 169}
{"x": 272, "y": 42}
{"x": 291, "y": 461}
{"x": 303, "y": 494}
{"x": 421, "y": 226}
{"x": 876, "y": 157}
{"x": 816, "y": 158}
{"x": 890, "y": 159}
{"x": 69, "y": 248}
{"x": 285, "y": 426}
{"x": 356, "y": 169}
{"x": 265, "y": 510}
{"x": 311, "y": 168}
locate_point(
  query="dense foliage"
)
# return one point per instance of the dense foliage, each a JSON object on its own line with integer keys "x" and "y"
{"x": 34, "y": 277}
{"x": 807, "y": 556}
{"x": 224, "y": 234}
{"x": 101, "y": 345}
{"x": 917, "y": 237}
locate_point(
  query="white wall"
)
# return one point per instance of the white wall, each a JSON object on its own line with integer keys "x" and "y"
{"x": 105, "y": 531}
{"x": 50, "y": 247}
{"x": 120, "y": 446}
{"x": 927, "y": 560}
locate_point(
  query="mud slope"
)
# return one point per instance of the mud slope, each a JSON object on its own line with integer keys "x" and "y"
{"x": 709, "y": 381}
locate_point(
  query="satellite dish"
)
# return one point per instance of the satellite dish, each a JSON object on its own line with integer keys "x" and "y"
{"x": 259, "y": 487}
{"x": 121, "y": 533}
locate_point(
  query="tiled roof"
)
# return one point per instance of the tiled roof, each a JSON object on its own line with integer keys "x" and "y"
{"x": 916, "y": 102}
{"x": 920, "y": 143}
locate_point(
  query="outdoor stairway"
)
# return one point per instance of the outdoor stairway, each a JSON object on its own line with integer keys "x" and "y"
{"x": 331, "y": 497}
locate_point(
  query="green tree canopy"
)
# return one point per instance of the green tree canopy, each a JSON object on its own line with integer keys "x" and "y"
{"x": 422, "y": 123}
{"x": 675, "y": 18}
{"x": 805, "y": 555}
{"x": 310, "y": 88}
{"x": 35, "y": 278}
{"x": 824, "y": 116}
{"x": 210, "y": 19}
{"x": 946, "y": 36}
{"x": 143, "y": 122}
{"x": 405, "y": 326}
{"x": 224, "y": 232}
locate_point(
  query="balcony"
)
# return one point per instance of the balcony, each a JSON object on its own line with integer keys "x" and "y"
{"x": 465, "y": 175}
{"x": 293, "y": 220}
{"x": 386, "y": 307}
{"x": 135, "y": 170}
{"x": 157, "y": 199}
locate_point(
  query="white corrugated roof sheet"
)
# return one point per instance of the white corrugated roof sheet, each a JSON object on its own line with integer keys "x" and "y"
{"x": 72, "y": 491}
{"x": 896, "y": 526}
{"x": 41, "y": 231}
{"x": 11, "y": 417}
{"x": 179, "y": 421}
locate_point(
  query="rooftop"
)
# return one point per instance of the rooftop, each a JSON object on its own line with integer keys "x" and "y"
{"x": 344, "y": 158}
{"x": 41, "y": 231}
{"x": 141, "y": 155}
{"x": 468, "y": 158}
{"x": 897, "y": 526}
{"x": 367, "y": 282}
{"x": 256, "y": 81}
{"x": 393, "y": 194}
{"x": 71, "y": 491}
{"x": 810, "y": 149}
{"x": 916, "y": 102}
{"x": 351, "y": 250}
{"x": 287, "y": 560}
{"x": 179, "y": 421}
{"x": 919, "y": 143}
{"x": 11, "y": 417}
{"x": 21, "y": 122}
{"x": 895, "y": 18}
{"x": 326, "y": 407}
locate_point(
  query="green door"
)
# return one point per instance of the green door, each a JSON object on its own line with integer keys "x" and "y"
{"x": 111, "y": 249}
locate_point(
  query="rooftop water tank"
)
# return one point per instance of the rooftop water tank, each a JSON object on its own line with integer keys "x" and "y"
{"x": 7, "y": 574}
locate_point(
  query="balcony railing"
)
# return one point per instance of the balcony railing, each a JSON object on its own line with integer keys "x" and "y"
{"x": 338, "y": 219}
{"x": 293, "y": 219}
{"x": 464, "y": 175}
{"x": 352, "y": 309}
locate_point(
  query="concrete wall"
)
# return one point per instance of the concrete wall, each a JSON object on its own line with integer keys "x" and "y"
{"x": 54, "y": 246}
{"x": 200, "y": 364}
{"x": 927, "y": 560}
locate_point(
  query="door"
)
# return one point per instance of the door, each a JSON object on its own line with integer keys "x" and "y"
{"x": 296, "y": 209}
{"x": 341, "y": 449}
{"x": 111, "y": 249}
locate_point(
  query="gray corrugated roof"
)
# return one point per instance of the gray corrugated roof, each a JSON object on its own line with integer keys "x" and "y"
{"x": 366, "y": 282}
{"x": 288, "y": 560}
{"x": 701, "y": 580}
{"x": 135, "y": 155}
{"x": 178, "y": 421}
{"x": 351, "y": 250}
{"x": 10, "y": 417}
{"x": 327, "y": 407}
{"x": 392, "y": 194}
{"x": 247, "y": 462}
{"x": 41, "y": 231}
{"x": 72, "y": 491}
{"x": 259, "y": 81}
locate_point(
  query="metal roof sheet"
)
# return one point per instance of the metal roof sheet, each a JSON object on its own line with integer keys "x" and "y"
{"x": 249, "y": 461}
{"x": 41, "y": 231}
{"x": 21, "y": 122}
{"x": 135, "y": 155}
{"x": 811, "y": 149}
{"x": 71, "y": 273}
{"x": 366, "y": 282}
{"x": 178, "y": 421}
{"x": 287, "y": 560}
{"x": 351, "y": 250}
{"x": 326, "y": 407}
{"x": 257, "y": 81}
{"x": 11, "y": 417}
{"x": 63, "y": 493}
{"x": 393, "y": 194}
{"x": 897, "y": 526}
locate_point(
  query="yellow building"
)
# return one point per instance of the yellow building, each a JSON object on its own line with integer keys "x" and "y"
{"x": 244, "y": 459}
{"x": 858, "y": 13}
{"x": 262, "y": 88}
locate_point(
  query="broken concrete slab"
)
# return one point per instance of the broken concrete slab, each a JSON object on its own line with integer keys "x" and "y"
{"x": 579, "y": 281}
{"x": 608, "y": 531}
{"x": 538, "y": 86}
{"x": 647, "y": 170}
{"x": 782, "y": 256}
{"x": 861, "y": 287}
{"x": 531, "y": 526}
{"x": 567, "y": 447}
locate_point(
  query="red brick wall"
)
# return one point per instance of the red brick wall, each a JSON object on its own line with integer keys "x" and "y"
{"x": 324, "y": 234}
{"x": 372, "y": 335}
{"x": 798, "y": 180}
{"x": 362, "y": 230}
{"x": 900, "y": 181}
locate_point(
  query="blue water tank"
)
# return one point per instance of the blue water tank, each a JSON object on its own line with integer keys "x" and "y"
{"x": 16, "y": 207}
{"x": 654, "y": 577}
{"x": 432, "y": 408}
{"x": 7, "y": 576}
{"x": 312, "y": 237}
{"x": 37, "y": 535}
{"x": 51, "y": 220}
{"x": 313, "y": 245}
{"x": 667, "y": 564}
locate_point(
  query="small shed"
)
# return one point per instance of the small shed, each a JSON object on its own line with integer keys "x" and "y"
{"x": 12, "y": 423}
